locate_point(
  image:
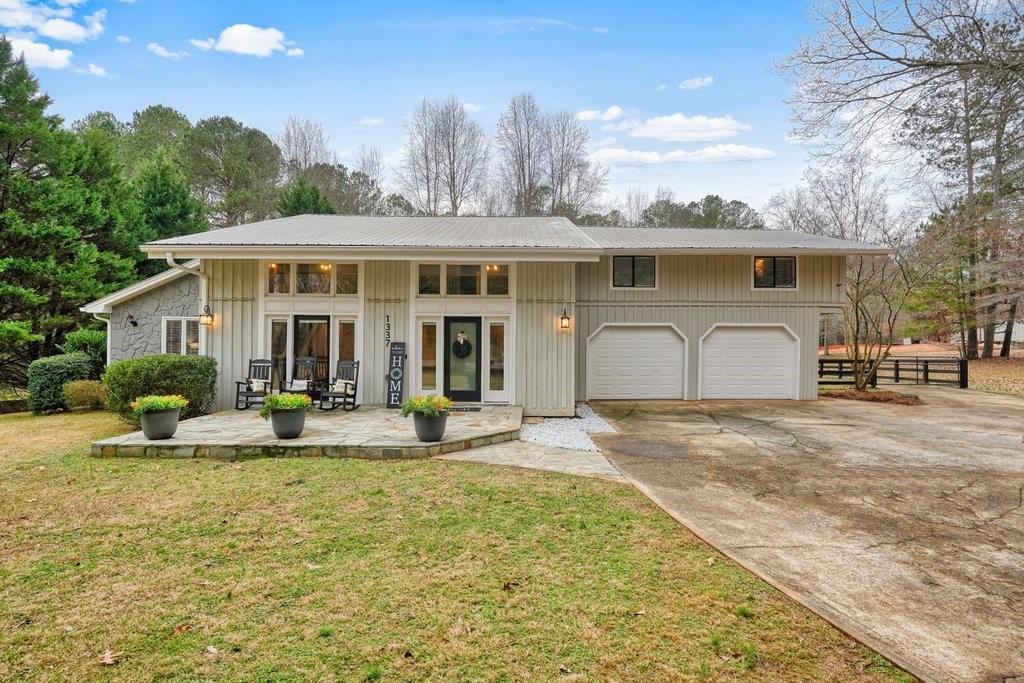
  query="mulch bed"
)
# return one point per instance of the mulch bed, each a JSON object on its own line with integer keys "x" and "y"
{"x": 876, "y": 396}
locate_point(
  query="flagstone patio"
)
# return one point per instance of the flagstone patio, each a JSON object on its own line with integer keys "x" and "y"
{"x": 368, "y": 432}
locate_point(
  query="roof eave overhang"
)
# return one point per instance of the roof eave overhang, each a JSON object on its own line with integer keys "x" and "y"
{"x": 209, "y": 251}
{"x": 799, "y": 251}
{"x": 107, "y": 303}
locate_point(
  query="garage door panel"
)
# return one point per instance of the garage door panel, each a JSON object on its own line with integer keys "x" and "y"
{"x": 635, "y": 362}
{"x": 748, "y": 362}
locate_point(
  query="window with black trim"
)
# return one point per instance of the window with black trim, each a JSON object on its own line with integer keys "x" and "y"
{"x": 775, "y": 272}
{"x": 634, "y": 271}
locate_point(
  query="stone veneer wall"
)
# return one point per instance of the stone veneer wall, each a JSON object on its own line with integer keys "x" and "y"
{"x": 179, "y": 297}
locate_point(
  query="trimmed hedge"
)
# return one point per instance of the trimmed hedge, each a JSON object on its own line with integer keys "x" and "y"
{"x": 47, "y": 377}
{"x": 93, "y": 343}
{"x": 193, "y": 377}
{"x": 85, "y": 394}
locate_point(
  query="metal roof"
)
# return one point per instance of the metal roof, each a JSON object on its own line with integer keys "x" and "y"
{"x": 492, "y": 233}
{"x": 430, "y": 232}
{"x": 712, "y": 240}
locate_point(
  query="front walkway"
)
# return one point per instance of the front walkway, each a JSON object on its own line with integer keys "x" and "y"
{"x": 369, "y": 432}
{"x": 535, "y": 456}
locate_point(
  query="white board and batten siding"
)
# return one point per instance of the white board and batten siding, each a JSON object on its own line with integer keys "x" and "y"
{"x": 544, "y": 352}
{"x": 232, "y": 292}
{"x": 696, "y": 293}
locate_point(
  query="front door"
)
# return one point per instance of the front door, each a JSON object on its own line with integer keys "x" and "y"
{"x": 462, "y": 358}
{"x": 313, "y": 339}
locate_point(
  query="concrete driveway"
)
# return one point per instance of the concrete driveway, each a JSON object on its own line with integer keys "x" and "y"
{"x": 902, "y": 525}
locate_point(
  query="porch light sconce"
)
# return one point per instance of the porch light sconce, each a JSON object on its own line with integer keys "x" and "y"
{"x": 563, "y": 322}
{"x": 206, "y": 317}
{"x": 132, "y": 321}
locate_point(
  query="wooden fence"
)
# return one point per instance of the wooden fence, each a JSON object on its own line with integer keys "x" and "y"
{"x": 943, "y": 371}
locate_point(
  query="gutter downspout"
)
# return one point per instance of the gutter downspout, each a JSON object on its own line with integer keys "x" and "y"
{"x": 169, "y": 257}
{"x": 107, "y": 322}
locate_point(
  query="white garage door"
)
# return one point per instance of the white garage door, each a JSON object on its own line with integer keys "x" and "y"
{"x": 748, "y": 362}
{"x": 635, "y": 362}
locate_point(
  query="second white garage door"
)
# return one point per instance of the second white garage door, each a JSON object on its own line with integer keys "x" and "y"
{"x": 748, "y": 362}
{"x": 635, "y": 361}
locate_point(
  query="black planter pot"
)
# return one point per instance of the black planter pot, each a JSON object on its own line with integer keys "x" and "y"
{"x": 429, "y": 428}
{"x": 288, "y": 424}
{"x": 160, "y": 424}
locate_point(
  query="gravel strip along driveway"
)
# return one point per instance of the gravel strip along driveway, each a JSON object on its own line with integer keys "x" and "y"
{"x": 567, "y": 432}
{"x": 902, "y": 525}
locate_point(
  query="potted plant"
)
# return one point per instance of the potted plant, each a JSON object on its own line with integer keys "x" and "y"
{"x": 158, "y": 415}
{"x": 287, "y": 413}
{"x": 429, "y": 415}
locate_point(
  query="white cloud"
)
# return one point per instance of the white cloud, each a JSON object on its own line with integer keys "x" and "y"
{"x": 41, "y": 55}
{"x": 605, "y": 142}
{"x": 610, "y": 114}
{"x": 696, "y": 83}
{"x": 246, "y": 39}
{"x": 661, "y": 87}
{"x": 72, "y": 32}
{"x": 636, "y": 157}
{"x": 370, "y": 121}
{"x": 124, "y": 40}
{"x": 92, "y": 70}
{"x": 23, "y": 14}
{"x": 681, "y": 128}
{"x": 161, "y": 51}
{"x": 471, "y": 108}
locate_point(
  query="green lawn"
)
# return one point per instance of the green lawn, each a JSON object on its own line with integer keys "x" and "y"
{"x": 304, "y": 569}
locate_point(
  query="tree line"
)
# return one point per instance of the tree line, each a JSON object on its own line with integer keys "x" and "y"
{"x": 917, "y": 106}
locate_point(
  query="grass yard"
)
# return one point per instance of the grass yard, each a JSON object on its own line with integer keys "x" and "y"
{"x": 999, "y": 375}
{"x": 305, "y": 569}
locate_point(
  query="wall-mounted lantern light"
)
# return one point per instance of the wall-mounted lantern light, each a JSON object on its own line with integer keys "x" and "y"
{"x": 563, "y": 322}
{"x": 206, "y": 317}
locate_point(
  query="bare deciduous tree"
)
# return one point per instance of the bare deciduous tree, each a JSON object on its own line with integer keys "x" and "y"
{"x": 304, "y": 144}
{"x": 464, "y": 150}
{"x": 521, "y": 141}
{"x": 574, "y": 181}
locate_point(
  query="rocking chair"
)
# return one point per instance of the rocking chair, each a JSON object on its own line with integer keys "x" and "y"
{"x": 304, "y": 378}
{"x": 254, "y": 388}
{"x": 342, "y": 389}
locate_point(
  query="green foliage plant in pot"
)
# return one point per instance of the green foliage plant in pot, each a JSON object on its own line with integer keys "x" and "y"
{"x": 287, "y": 413}
{"x": 429, "y": 415}
{"x": 159, "y": 415}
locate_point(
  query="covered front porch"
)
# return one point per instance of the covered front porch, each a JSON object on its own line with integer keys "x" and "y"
{"x": 370, "y": 432}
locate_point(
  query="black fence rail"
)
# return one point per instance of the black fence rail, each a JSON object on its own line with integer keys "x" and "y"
{"x": 945, "y": 371}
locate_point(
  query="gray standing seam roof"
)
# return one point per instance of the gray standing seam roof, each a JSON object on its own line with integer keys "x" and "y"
{"x": 498, "y": 232}
{"x": 430, "y": 232}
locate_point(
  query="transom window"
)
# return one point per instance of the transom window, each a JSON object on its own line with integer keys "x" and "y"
{"x": 463, "y": 279}
{"x": 321, "y": 279}
{"x": 634, "y": 272}
{"x": 181, "y": 336}
{"x": 775, "y": 272}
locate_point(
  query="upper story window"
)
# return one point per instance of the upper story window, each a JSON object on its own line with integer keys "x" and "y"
{"x": 313, "y": 278}
{"x": 346, "y": 278}
{"x": 279, "y": 277}
{"x": 774, "y": 272}
{"x": 497, "y": 279}
{"x": 634, "y": 272}
{"x": 319, "y": 279}
{"x": 462, "y": 280}
{"x": 430, "y": 278}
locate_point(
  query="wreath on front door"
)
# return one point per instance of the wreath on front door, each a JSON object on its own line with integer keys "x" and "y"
{"x": 461, "y": 347}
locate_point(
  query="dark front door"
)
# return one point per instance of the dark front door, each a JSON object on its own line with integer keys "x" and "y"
{"x": 462, "y": 358}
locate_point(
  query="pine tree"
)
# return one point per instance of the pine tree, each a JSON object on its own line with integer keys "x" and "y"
{"x": 302, "y": 197}
{"x": 168, "y": 208}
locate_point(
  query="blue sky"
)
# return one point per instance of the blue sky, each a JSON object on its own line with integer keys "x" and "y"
{"x": 360, "y": 67}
